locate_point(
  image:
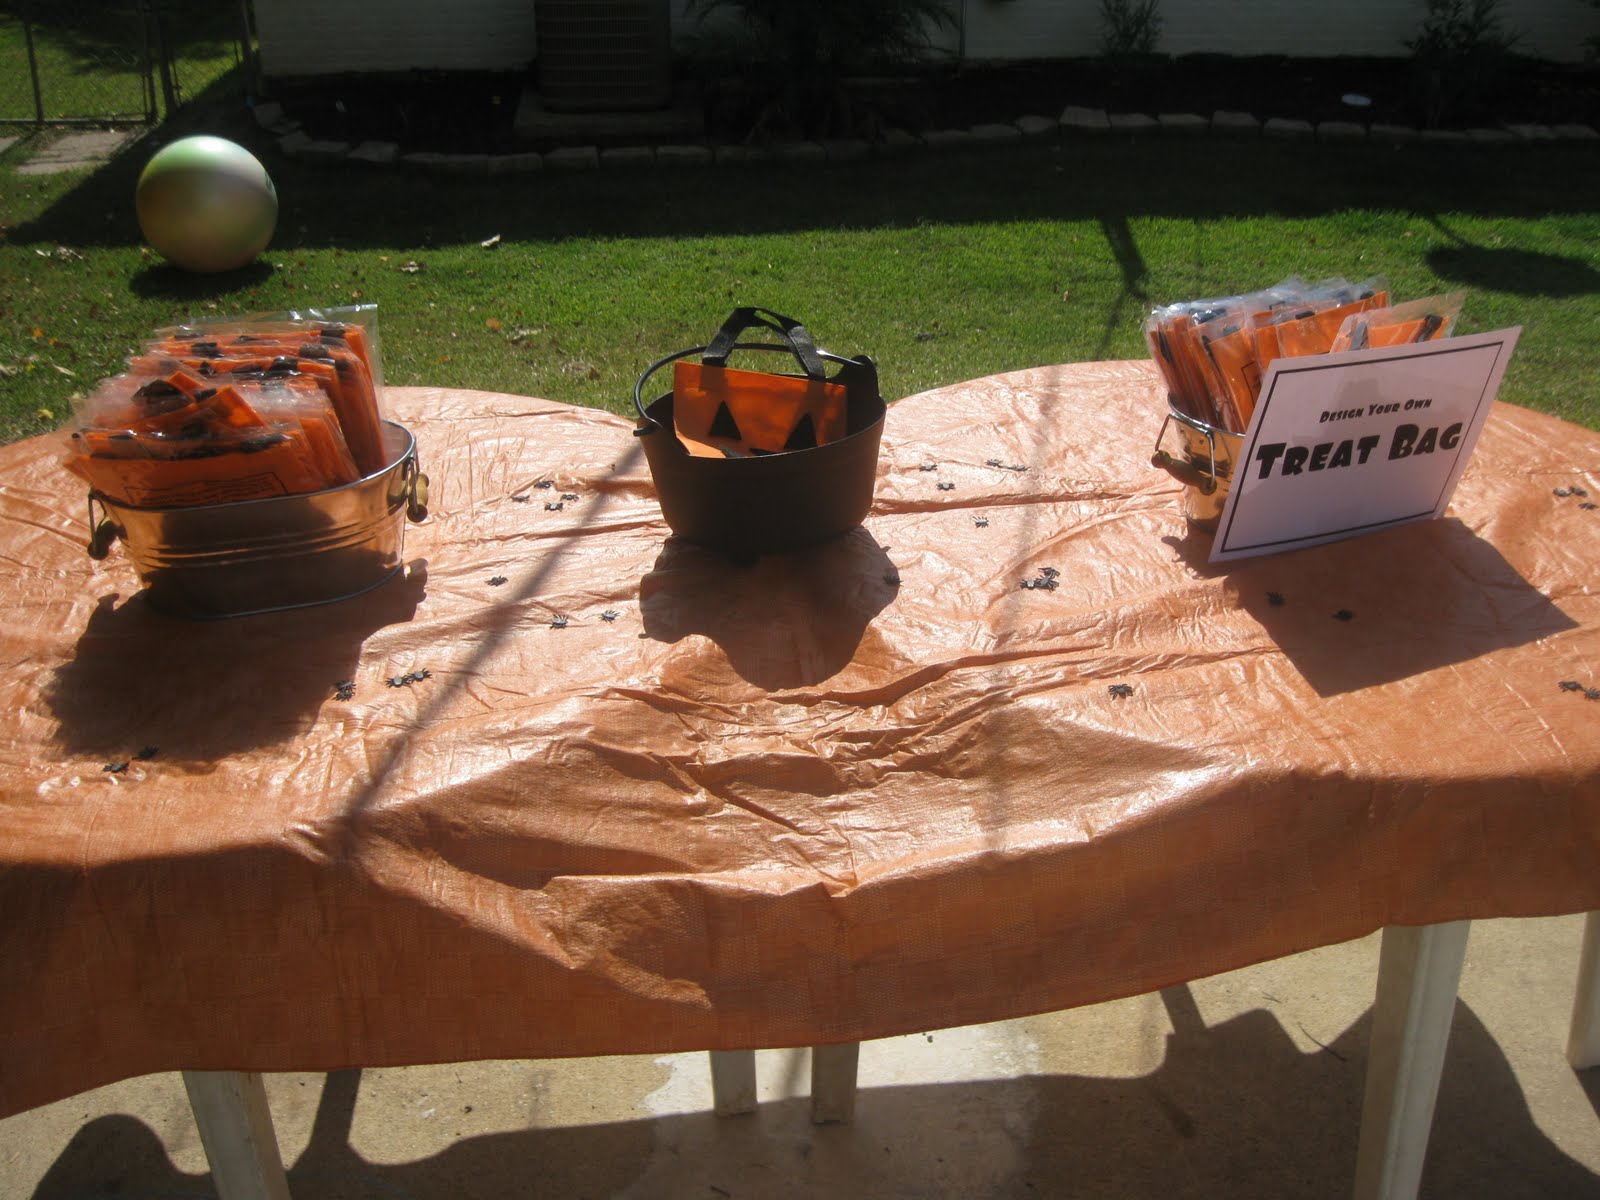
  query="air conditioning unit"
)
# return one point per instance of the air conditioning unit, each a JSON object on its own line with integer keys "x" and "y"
{"x": 302, "y": 38}
{"x": 604, "y": 55}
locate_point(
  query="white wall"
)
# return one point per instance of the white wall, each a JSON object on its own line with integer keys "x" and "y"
{"x": 330, "y": 37}
{"x": 314, "y": 37}
{"x": 1021, "y": 29}
{"x": 1000, "y": 29}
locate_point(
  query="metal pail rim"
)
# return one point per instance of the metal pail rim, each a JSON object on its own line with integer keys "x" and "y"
{"x": 407, "y": 453}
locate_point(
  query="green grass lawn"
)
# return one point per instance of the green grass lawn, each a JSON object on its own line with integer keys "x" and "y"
{"x": 91, "y": 58}
{"x": 943, "y": 267}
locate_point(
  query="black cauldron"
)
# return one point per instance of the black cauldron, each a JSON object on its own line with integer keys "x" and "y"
{"x": 767, "y": 503}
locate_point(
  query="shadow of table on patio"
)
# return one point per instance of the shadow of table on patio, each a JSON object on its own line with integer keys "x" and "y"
{"x": 1236, "y": 1109}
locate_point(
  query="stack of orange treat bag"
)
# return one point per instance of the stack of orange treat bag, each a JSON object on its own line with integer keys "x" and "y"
{"x": 239, "y": 410}
{"x": 1212, "y": 354}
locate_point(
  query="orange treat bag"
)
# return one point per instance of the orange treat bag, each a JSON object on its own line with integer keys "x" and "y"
{"x": 344, "y": 340}
{"x": 1421, "y": 320}
{"x": 215, "y": 448}
{"x": 1232, "y": 352}
{"x": 1168, "y": 331}
{"x": 1314, "y": 333}
{"x": 724, "y": 412}
{"x": 297, "y": 406}
{"x": 334, "y": 365}
{"x": 1309, "y": 323}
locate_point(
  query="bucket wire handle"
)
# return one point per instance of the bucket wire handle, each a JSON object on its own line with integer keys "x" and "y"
{"x": 417, "y": 498}
{"x": 650, "y": 423}
{"x": 1185, "y": 472}
{"x": 415, "y": 489}
{"x": 102, "y": 532}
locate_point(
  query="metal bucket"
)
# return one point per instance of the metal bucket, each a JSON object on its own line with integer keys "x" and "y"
{"x": 1206, "y": 468}
{"x": 255, "y": 556}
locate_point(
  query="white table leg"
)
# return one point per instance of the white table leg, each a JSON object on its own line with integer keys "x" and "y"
{"x": 1583, "y": 1042}
{"x": 1419, "y": 970}
{"x": 733, "y": 1082}
{"x": 230, "y": 1109}
{"x": 833, "y": 1082}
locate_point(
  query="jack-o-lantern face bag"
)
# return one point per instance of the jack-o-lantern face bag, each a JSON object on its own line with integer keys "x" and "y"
{"x": 720, "y": 411}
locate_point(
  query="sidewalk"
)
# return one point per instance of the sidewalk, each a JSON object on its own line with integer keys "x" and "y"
{"x": 75, "y": 151}
{"x": 1246, "y": 1085}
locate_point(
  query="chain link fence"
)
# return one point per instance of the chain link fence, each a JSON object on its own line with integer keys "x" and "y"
{"x": 116, "y": 61}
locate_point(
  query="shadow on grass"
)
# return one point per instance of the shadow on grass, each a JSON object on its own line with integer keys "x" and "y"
{"x": 352, "y": 206}
{"x": 1235, "y": 1110}
{"x": 1519, "y": 272}
{"x": 1508, "y": 268}
{"x": 165, "y": 282}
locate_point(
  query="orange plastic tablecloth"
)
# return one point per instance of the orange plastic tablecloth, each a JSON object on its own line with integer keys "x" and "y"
{"x": 872, "y": 788}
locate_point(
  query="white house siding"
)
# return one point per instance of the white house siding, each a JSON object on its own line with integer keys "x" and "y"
{"x": 996, "y": 30}
{"x": 1012, "y": 29}
{"x": 332, "y": 37}
{"x": 302, "y": 37}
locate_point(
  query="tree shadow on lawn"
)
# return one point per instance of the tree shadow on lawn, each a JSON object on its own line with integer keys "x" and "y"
{"x": 1508, "y": 268}
{"x": 1518, "y": 272}
{"x": 351, "y": 206}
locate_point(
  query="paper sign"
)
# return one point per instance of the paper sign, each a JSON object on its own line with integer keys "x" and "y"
{"x": 1345, "y": 444}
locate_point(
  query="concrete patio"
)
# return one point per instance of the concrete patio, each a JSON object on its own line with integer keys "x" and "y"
{"x": 1244, "y": 1085}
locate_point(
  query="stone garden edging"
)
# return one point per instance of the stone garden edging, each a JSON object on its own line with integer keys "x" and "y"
{"x": 1074, "y": 121}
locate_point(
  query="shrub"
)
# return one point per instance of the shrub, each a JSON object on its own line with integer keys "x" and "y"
{"x": 797, "y": 55}
{"x": 1129, "y": 27}
{"x": 1460, "y": 56}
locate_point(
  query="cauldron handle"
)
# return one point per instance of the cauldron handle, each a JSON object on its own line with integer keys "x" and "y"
{"x": 650, "y": 423}
{"x": 791, "y": 331}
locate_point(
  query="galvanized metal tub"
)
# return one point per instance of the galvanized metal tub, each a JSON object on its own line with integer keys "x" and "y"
{"x": 255, "y": 556}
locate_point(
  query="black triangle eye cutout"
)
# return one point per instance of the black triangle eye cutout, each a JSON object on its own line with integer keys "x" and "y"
{"x": 803, "y": 436}
{"x": 724, "y": 426}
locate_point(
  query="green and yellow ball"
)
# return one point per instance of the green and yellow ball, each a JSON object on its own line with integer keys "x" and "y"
{"x": 206, "y": 204}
